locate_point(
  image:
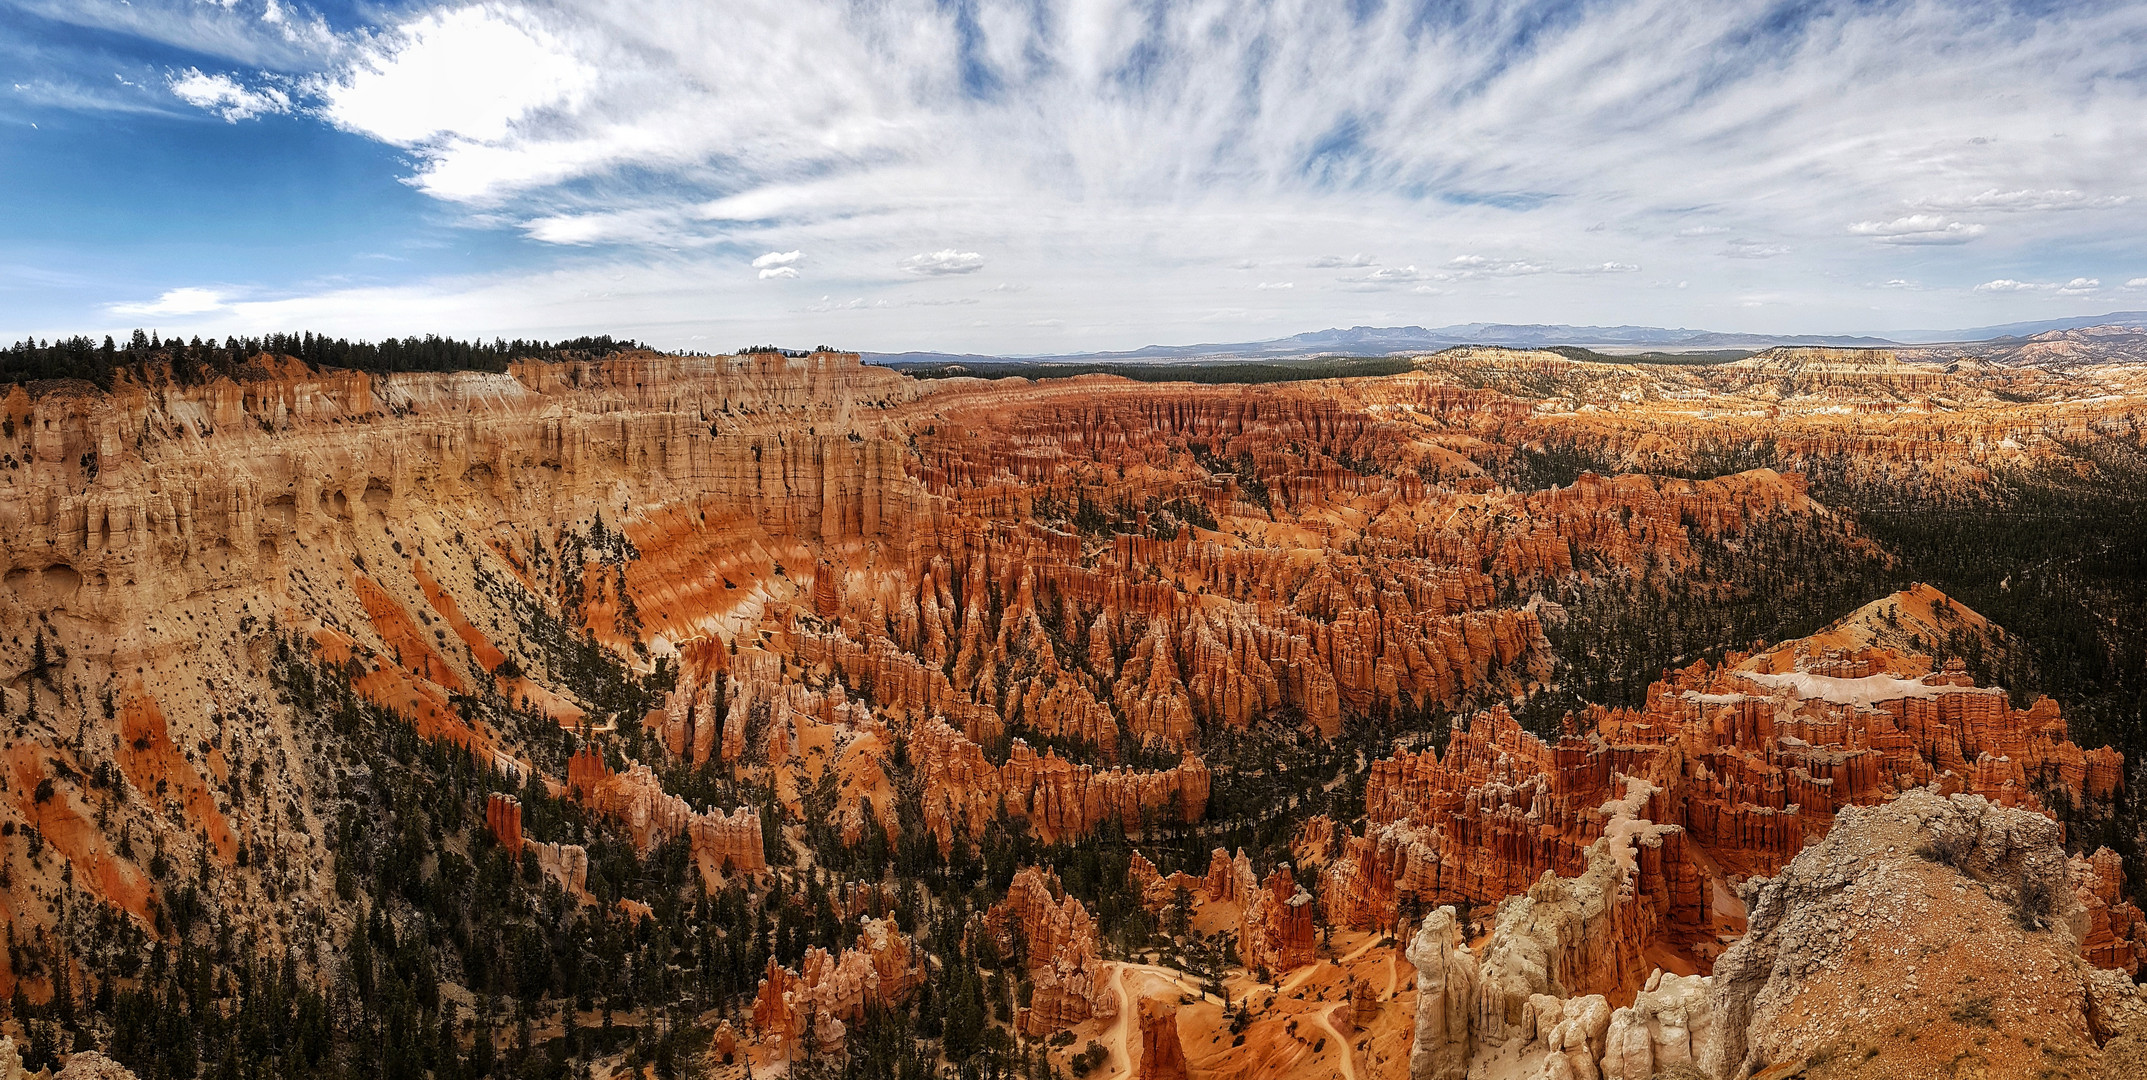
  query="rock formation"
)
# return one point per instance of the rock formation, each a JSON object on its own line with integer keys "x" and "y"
{"x": 1162, "y": 1057}
{"x": 1230, "y": 880}
{"x": 2116, "y": 932}
{"x": 91, "y": 1065}
{"x": 503, "y": 816}
{"x": 1671, "y": 1023}
{"x": 1058, "y": 798}
{"x": 1535, "y": 995}
{"x": 1277, "y": 933}
{"x": 1059, "y": 936}
{"x": 830, "y": 992}
{"x": 651, "y": 815}
{"x": 1446, "y": 978}
{"x": 1748, "y": 760}
{"x": 1054, "y": 598}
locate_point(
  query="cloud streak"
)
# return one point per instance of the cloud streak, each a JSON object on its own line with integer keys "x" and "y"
{"x": 224, "y": 96}
{"x": 1508, "y": 161}
{"x": 944, "y": 262}
{"x": 1919, "y": 229}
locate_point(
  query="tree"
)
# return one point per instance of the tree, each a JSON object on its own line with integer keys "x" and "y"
{"x": 1178, "y": 917}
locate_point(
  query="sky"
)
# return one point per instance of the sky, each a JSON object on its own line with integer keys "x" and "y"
{"x": 1036, "y": 176}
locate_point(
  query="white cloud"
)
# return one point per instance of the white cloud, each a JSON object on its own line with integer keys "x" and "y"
{"x": 1277, "y": 285}
{"x": 2022, "y": 199}
{"x": 1918, "y": 229}
{"x": 779, "y": 272}
{"x": 224, "y": 96}
{"x": 2137, "y": 283}
{"x": 862, "y": 303}
{"x": 2075, "y": 287}
{"x": 944, "y": 261}
{"x": 651, "y": 131}
{"x": 609, "y": 227}
{"x": 1385, "y": 278}
{"x": 456, "y": 84}
{"x": 777, "y": 258}
{"x": 187, "y": 301}
{"x": 1478, "y": 264}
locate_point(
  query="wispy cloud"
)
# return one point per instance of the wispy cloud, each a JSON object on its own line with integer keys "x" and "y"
{"x": 1385, "y": 278}
{"x": 224, "y": 96}
{"x": 943, "y": 262}
{"x": 1919, "y": 229}
{"x": 1478, "y": 264}
{"x": 1753, "y": 249}
{"x": 2024, "y": 200}
{"x": 1119, "y": 155}
{"x": 2076, "y": 287}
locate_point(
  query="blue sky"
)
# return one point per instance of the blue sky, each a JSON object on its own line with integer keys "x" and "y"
{"x": 1043, "y": 176}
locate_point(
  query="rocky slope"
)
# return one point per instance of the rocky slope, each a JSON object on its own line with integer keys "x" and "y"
{"x": 1872, "y": 954}
{"x": 660, "y": 649}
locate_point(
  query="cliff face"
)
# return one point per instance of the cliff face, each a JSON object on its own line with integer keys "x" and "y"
{"x": 1733, "y": 768}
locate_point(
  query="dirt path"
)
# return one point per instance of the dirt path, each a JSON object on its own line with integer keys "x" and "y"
{"x": 1118, "y": 1040}
{"x": 1306, "y": 972}
{"x": 1349, "y": 1053}
{"x": 1128, "y": 1018}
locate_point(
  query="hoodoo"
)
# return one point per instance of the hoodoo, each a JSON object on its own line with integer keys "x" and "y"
{"x": 795, "y": 712}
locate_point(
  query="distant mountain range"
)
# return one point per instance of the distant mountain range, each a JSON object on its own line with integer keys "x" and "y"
{"x": 1385, "y": 340}
{"x": 2023, "y": 329}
